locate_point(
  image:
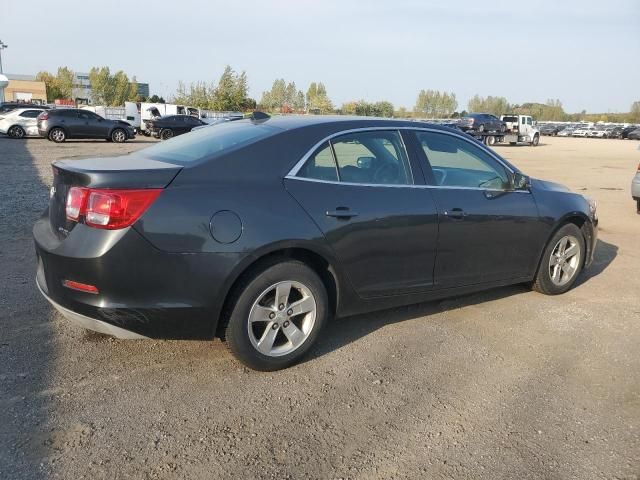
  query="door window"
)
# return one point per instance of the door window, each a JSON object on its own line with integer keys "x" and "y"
{"x": 456, "y": 162}
{"x": 31, "y": 113}
{"x": 375, "y": 158}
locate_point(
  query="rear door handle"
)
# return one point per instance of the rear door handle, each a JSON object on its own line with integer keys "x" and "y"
{"x": 341, "y": 212}
{"x": 455, "y": 213}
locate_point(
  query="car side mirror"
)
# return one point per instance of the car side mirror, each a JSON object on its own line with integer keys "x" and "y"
{"x": 521, "y": 181}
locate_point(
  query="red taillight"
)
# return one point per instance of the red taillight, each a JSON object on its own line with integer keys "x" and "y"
{"x": 43, "y": 116}
{"x": 110, "y": 209}
{"x": 81, "y": 287}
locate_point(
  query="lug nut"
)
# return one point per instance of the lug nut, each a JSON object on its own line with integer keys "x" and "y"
{"x": 275, "y": 326}
{"x": 272, "y": 315}
{"x": 285, "y": 324}
{"x": 281, "y": 306}
{"x": 289, "y": 312}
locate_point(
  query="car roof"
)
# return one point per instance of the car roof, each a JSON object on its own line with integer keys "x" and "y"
{"x": 292, "y": 122}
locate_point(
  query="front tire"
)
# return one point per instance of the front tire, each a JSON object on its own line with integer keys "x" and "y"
{"x": 16, "y": 132}
{"x": 275, "y": 316}
{"x": 561, "y": 261}
{"x": 118, "y": 136}
{"x": 166, "y": 134}
{"x": 536, "y": 141}
{"x": 57, "y": 135}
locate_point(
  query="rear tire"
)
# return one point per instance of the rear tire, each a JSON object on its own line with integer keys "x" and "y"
{"x": 491, "y": 140}
{"x": 166, "y": 134}
{"x": 268, "y": 333}
{"x": 119, "y": 136}
{"x": 16, "y": 132}
{"x": 481, "y": 128}
{"x": 561, "y": 262}
{"x": 57, "y": 135}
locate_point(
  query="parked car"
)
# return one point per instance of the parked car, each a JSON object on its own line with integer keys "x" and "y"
{"x": 551, "y": 130}
{"x": 8, "y": 106}
{"x": 634, "y": 134}
{"x": 20, "y": 122}
{"x": 627, "y": 130}
{"x": 259, "y": 231}
{"x": 599, "y": 132}
{"x": 582, "y": 132}
{"x": 566, "y": 132}
{"x": 635, "y": 189}
{"x": 482, "y": 122}
{"x": 165, "y": 128}
{"x": 60, "y": 124}
{"x": 614, "y": 132}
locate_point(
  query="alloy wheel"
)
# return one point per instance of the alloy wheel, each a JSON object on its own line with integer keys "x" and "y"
{"x": 282, "y": 318}
{"x": 57, "y": 135}
{"x": 16, "y": 132}
{"x": 565, "y": 260}
{"x": 119, "y": 136}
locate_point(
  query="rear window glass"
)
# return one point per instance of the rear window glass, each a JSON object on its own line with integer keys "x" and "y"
{"x": 510, "y": 119}
{"x": 207, "y": 142}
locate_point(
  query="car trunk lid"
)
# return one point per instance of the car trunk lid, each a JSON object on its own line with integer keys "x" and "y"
{"x": 127, "y": 172}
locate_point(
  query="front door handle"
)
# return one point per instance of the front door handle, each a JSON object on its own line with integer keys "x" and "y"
{"x": 455, "y": 213}
{"x": 341, "y": 212}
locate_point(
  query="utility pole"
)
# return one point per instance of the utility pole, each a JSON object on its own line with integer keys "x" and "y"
{"x": 2, "y": 47}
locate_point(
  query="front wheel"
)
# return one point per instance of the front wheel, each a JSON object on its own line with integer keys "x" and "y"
{"x": 166, "y": 134}
{"x": 276, "y": 316}
{"x": 16, "y": 132}
{"x": 119, "y": 136}
{"x": 561, "y": 262}
{"x": 536, "y": 141}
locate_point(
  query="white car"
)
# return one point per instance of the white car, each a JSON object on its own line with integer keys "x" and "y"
{"x": 599, "y": 133}
{"x": 21, "y": 122}
{"x": 566, "y": 132}
{"x": 583, "y": 132}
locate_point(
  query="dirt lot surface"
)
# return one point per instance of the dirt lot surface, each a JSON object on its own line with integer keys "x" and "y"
{"x": 504, "y": 384}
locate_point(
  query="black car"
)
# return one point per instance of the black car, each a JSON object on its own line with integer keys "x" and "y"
{"x": 8, "y": 106}
{"x": 60, "y": 124}
{"x": 551, "y": 130}
{"x": 634, "y": 134}
{"x": 627, "y": 130}
{"x": 482, "y": 122}
{"x": 172, "y": 125}
{"x": 258, "y": 232}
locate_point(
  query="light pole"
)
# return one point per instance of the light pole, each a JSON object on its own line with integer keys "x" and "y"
{"x": 2, "y": 47}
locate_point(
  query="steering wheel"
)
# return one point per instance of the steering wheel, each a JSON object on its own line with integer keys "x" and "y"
{"x": 386, "y": 173}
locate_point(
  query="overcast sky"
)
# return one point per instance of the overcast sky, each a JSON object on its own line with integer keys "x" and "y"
{"x": 584, "y": 52}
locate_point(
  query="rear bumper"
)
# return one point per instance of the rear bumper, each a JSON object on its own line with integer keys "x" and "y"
{"x": 143, "y": 291}
{"x": 91, "y": 323}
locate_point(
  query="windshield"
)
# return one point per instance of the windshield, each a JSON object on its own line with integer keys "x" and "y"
{"x": 209, "y": 141}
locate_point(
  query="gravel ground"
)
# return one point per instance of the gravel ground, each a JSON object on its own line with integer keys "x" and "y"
{"x": 504, "y": 384}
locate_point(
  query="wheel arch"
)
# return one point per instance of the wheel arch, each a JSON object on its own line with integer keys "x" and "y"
{"x": 580, "y": 220}
{"x": 317, "y": 261}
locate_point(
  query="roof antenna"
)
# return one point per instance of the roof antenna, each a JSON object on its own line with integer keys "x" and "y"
{"x": 259, "y": 116}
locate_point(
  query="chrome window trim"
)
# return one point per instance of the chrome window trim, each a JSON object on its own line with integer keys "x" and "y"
{"x": 383, "y": 185}
{"x": 292, "y": 175}
{"x": 296, "y": 168}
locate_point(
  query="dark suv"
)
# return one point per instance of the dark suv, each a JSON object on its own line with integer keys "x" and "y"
{"x": 59, "y": 124}
{"x": 482, "y": 122}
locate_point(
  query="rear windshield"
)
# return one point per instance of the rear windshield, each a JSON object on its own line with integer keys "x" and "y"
{"x": 509, "y": 119}
{"x": 208, "y": 141}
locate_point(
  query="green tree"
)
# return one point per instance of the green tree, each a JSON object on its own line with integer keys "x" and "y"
{"x": 435, "y": 104}
{"x": 317, "y": 99}
{"x": 58, "y": 86}
{"x": 231, "y": 93}
{"x": 634, "y": 112}
{"x": 494, "y": 105}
